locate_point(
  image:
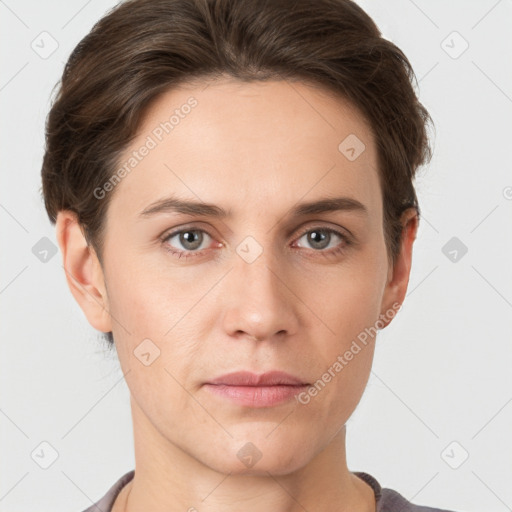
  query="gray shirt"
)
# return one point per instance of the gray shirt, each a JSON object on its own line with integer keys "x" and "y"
{"x": 387, "y": 500}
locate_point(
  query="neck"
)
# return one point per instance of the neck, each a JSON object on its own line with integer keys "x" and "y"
{"x": 171, "y": 480}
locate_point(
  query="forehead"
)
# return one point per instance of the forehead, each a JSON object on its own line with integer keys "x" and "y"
{"x": 248, "y": 144}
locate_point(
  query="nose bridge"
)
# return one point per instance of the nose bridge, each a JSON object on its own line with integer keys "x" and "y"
{"x": 260, "y": 275}
{"x": 260, "y": 305}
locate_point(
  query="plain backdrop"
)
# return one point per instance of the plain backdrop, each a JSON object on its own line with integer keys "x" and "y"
{"x": 435, "y": 422}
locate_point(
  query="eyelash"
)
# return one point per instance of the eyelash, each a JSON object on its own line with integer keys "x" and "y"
{"x": 341, "y": 248}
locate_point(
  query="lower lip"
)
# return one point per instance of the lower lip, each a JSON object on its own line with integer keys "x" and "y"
{"x": 257, "y": 396}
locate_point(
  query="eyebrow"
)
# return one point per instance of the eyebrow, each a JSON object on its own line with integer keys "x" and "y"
{"x": 200, "y": 209}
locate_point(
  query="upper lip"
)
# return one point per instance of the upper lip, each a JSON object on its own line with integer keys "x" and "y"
{"x": 244, "y": 378}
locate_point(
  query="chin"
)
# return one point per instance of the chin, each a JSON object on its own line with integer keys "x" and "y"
{"x": 258, "y": 456}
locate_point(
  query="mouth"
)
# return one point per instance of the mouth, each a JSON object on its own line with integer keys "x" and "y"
{"x": 252, "y": 390}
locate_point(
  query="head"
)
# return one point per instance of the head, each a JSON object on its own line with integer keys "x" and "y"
{"x": 266, "y": 114}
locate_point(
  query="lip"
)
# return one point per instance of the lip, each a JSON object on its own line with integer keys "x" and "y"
{"x": 244, "y": 378}
{"x": 253, "y": 390}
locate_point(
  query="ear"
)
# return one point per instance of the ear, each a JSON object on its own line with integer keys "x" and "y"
{"x": 84, "y": 274}
{"x": 398, "y": 275}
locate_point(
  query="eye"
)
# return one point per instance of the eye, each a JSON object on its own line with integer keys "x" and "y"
{"x": 192, "y": 242}
{"x": 189, "y": 239}
{"x": 323, "y": 240}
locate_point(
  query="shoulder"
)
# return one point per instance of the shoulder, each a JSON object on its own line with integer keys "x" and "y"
{"x": 389, "y": 500}
{"x": 392, "y": 500}
{"x": 105, "y": 503}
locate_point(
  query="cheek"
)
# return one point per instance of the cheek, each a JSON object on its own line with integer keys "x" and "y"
{"x": 337, "y": 390}
{"x": 150, "y": 299}
{"x": 158, "y": 317}
{"x": 348, "y": 307}
{"x": 349, "y": 300}
{"x": 342, "y": 360}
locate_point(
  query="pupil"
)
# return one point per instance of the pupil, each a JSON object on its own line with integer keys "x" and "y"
{"x": 194, "y": 236}
{"x": 315, "y": 234}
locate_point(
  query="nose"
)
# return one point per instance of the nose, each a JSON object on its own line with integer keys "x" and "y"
{"x": 260, "y": 303}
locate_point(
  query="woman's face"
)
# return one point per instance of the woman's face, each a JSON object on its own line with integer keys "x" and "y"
{"x": 269, "y": 285}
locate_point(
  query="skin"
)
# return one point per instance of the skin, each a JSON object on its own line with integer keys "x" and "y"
{"x": 255, "y": 149}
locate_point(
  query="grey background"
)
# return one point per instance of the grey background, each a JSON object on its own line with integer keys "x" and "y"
{"x": 441, "y": 385}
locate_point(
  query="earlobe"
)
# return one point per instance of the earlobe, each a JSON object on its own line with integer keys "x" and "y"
{"x": 83, "y": 271}
{"x": 396, "y": 287}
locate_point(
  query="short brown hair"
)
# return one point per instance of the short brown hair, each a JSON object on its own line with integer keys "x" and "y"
{"x": 143, "y": 48}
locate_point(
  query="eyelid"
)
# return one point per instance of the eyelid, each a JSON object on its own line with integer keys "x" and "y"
{"x": 337, "y": 230}
{"x": 175, "y": 231}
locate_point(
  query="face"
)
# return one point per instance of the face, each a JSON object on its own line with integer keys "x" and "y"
{"x": 268, "y": 285}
